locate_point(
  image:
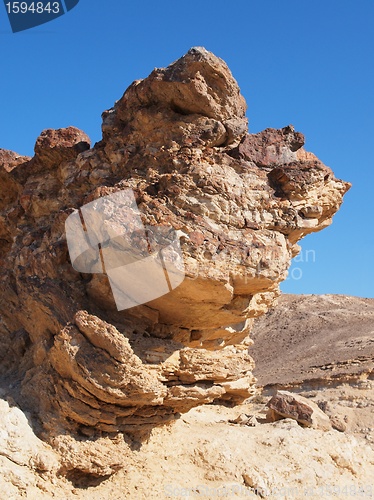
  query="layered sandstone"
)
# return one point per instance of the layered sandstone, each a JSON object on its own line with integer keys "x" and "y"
{"x": 239, "y": 201}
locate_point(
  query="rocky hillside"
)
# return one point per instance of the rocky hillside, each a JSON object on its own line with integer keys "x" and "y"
{"x": 306, "y": 338}
{"x": 321, "y": 346}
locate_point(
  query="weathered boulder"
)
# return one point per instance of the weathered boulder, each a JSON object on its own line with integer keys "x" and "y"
{"x": 239, "y": 203}
{"x": 286, "y": 404}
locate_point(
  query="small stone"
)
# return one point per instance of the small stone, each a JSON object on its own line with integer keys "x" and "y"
{"x": 244, "y": 419}
{"x": 338, "y": 424}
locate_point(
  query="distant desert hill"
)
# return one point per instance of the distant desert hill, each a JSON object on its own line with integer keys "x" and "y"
{"x": 314, "y": 336}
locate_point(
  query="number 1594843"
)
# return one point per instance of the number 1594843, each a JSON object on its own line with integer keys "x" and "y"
{"x": 33, "y": 7}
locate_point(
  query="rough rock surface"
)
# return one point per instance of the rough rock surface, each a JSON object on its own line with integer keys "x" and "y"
{"x": 211, "y": 451}
{"x": 240, "y": 203}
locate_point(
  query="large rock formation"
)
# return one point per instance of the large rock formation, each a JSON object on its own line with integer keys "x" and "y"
{"x": 239, "y": 201}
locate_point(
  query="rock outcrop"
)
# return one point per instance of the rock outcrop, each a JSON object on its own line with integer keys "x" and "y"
{"x": 239, "y": 201}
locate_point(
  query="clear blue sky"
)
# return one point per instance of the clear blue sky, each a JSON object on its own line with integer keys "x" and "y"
{"x": 309, "y": 63}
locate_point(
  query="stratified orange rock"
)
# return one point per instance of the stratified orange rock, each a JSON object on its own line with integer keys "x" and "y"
{"x": 239, "y": 201}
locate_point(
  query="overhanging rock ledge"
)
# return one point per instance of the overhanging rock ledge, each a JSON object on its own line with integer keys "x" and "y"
{"x": 239, "y": 201}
